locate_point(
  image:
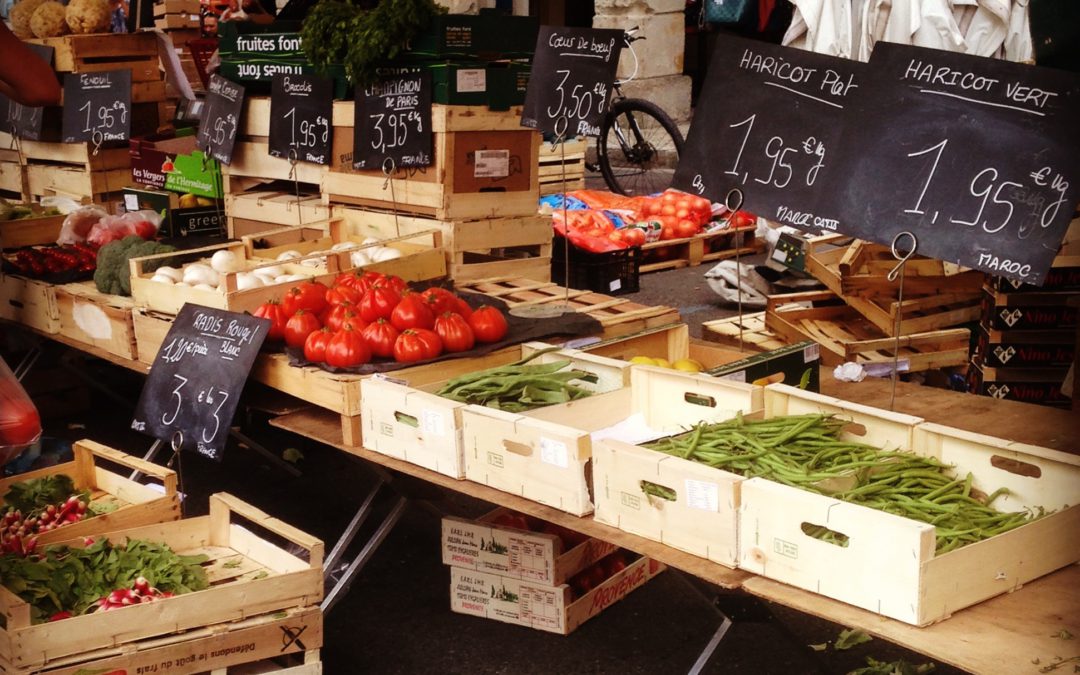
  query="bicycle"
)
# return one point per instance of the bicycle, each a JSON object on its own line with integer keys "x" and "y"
{"x": 639, "y": 144}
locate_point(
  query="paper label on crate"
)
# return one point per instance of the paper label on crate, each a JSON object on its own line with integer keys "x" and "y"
{"x": 737, "y": 376}
{"x": 131, "y": 202}
{"x": 779, "y": 255}
{"x": 472, "y": 81}
{"x": 811, "y": 353}
{"x": 539, "y": 606}
{"x": 615, "y": 285}
{"x": 554, "y": 452}
{"x": 92, "y": 320}
{"x": 431, "y": 422}
{"x": 702, "y": 495}
{"x": 492, "y": 164}
{"x": 530, "y": 558}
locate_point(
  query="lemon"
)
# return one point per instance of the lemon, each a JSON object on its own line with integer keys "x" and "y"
{"x": 643, "y": 361}
{"x": 663, "y": 363}
{"x": 688, "y": 365}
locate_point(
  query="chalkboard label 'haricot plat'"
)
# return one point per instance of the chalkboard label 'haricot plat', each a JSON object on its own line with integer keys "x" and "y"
{"x": 393, "y": 121}
{"x": 976, "y": 157}
{"x": 301, "y": 107}
{"x": 97, "y": 106}
{"x": 769, "y": 124}
{"x": 572, "y": 74}
{"x": 197, "y": 376}
{"x": 220, "y": 118}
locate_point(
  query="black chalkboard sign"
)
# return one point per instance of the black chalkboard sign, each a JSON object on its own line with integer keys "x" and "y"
{"x": 572, "y": 74}
{"x": 220, "y": 119}
{"x": 301, "y": 107}
{"x": 197, "y": 376}
{"x": 21, "y": 120}
{"x": 392, "y": 120}
{"x": 97, "y": 106}
{"x": 768, "y": 122}
{"x": 977, "y": 157}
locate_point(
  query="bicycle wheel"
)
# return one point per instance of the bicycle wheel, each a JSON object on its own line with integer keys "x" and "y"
{"x": 638, "y": 148}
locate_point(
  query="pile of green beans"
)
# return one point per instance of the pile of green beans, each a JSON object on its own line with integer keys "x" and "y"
{"x": 806, "y": 451}
{"x": 518, "y": 387}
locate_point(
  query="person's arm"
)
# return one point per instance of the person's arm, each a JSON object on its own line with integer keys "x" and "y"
{"x": 24, "y": 77}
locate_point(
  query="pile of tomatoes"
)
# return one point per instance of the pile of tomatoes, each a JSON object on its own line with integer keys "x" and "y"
{"x": 681, "y": 215}
{"x": 368, "y": 315}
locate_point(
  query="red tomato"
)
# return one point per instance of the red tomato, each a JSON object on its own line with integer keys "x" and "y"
{"x": 455, "y": 332}
{"x": 308, "y": 295}
{"x": 378, "y": 303}
{"x": 333, "y": 315}
{"x": 299, "y": 326}
{"x": 440, "y": 300}
{"x": 412, "y": 312}
{"x": 315, "y": 345}
{"x": 342, "y": 293}
{"x": 463, "y": 308}
{"x": 271, "y": 309}
{"x": 410, "y": 347}
{"x": 613, "y": 564}
{"x": 361, "y": 281}
{"x": 380, "y": 336}
{"x": 19, "y": 420}
{"x": 352, "y": 321}
{"x": 488, "y": 324}
{"x": 347, "y": 349}
{"x": 431, "y": 340}
{"x": 396, "y": 283}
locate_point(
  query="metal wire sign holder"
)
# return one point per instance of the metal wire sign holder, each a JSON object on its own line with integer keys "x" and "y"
{"x": 897, "y": 274}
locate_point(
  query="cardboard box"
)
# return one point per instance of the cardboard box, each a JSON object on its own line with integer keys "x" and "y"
{"x": 1042, "y": 386}
{"x": 536, "y": 605}
{"x": 207, "y": 219}
{"x": 796, "y": 365}
{"x": 173, "y": 163}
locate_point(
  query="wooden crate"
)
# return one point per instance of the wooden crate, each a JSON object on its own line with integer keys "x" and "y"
{"x": 96, "y": 318}
{"x": 546, "y": 456}
{"x": 150, "y": 328}
{"x": 889, "y": 565}
{"x": 412, "y": 423}
{"x": 485, "y": 546}
{"x": 249, "y": 575}
{"x": 261, "y": 210}
{"x": 30, "y": 231}
{"x": 29, "y": 302}
{"x": 236, "y": 648}
{"x": 562, "y": 167}
{"x": 617, "y": 316}
{"x": 133, "y": 503}
{"x": 861, "y": 268}
{"x": 252, "y": 164}
{"x": 535, "y": 605}
{"x": 701, "y": 248}
{"x": 845, "y": 335}
{"x": 449, "y": 189}
{"x": 747, "y": 333}
{"x": 75, "y": 169}
{"x": 96, "y": 52}
{"x": 12, "y": 182}
{"x": 475, "y": 249}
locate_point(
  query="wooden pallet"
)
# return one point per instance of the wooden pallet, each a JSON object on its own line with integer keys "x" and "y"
{"x": 845, "y": 335}
{"x": 701, "y": 248}
{"x": 518, "y": 247}
{"x": 562, "y": 167}
{"x": 747, "y": 333}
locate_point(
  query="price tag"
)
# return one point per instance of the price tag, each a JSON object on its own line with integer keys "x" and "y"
{"x": 301, "y": 107}
{"x": 768, "y": 126}
{"x": 572, "y": 74}
{"x": 220, "y": 118}
{"x": 393, "y": 120}
{"x": 97, "y": 106}
{"x": 976, "y": 157}
{"x": 197, "y": 376}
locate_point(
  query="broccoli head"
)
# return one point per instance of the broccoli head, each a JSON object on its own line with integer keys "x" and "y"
{"x": 113, "y": 274}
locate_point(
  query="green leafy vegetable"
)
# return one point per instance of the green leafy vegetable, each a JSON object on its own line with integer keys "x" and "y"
{"x": 849, "y": 638}
{"x": 30, "y": 496}
{"x": 900, "y": 667}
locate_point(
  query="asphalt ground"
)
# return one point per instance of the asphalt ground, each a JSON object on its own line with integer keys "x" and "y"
{"x": 396, "y": 615}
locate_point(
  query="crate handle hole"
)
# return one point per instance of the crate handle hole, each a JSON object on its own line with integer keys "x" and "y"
{"x": 405, "y": 418}
{"x": 822, "y": 533}
{"x": 699, "y": 399}
{"x": 1015, "y": 466}
{"x": 657, "y": 490}
{"x": 854, "y": 428}
{"x": 517, "y": 448}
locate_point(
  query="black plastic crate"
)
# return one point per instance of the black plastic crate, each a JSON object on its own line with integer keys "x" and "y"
{"x": 613, "y": 272}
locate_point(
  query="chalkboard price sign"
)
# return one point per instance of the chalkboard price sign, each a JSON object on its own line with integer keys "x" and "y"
{"x": 769, "y": 122}
{"x": 20, "y": 120}
{"x": 976, "y": 157}
{"x": 570, "y": 84}
{"x": 197, "y": 376}
{"x": 393, "y": 120}
{"x": 97, "y": 106}
{"x": 301, "y": 107}
{"x": 220, "y": 119}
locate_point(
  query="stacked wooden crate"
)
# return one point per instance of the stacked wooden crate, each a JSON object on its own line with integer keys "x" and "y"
{"x": 78, "y": 170}
{"x": 562, "y": 166}
{"x": 12, "y": 174}
{"x": 1028, "y": 337}
{"x": 179, "y": 20}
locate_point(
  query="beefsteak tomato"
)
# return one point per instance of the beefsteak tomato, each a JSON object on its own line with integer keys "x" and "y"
{"x": 488, "y": 324}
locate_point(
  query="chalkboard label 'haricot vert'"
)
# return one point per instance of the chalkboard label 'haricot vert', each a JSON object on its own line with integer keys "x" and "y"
{"x": 220, "y": 118}
{"x": 572, "y": 74}
{"x": 197, "y": 376}
{"x": 301, "y": 107}
{"x": 97, "y": 106}
{"x": 976, "y": 157}
{"x": 768, "y": 123}
{"x": 392, "y": 120}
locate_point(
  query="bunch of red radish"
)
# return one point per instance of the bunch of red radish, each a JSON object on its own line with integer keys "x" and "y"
{"x": 140, "y": 592}
{"x": 367, "y": 315}
{"x": 19, "y": 535}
